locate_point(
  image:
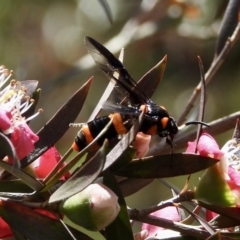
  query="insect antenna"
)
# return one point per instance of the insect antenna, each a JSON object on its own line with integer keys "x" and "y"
{"x": 197, "y": 122}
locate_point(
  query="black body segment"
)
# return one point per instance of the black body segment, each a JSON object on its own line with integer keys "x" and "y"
{"x": 92, "y": 129}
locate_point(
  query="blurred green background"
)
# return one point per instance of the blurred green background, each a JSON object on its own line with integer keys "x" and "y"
{"x": 44, "y": 40}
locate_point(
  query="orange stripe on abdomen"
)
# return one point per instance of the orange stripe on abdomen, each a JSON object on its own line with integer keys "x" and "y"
{"x": 118, "y": 123}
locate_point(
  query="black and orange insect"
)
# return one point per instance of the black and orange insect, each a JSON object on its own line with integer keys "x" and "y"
{"x": 157, "y": 120}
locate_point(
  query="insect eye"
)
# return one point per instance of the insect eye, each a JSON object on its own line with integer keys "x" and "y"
{"x": 173, "y": 125}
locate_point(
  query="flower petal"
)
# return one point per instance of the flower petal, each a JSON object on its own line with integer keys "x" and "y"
{"x": 141, "y": 143}
{"x": 213, "y": 188}
{"x": 45, "y": 164}
{"x": 207, "y": 146}
{"x": 5, "y": 230}
{"x": 5, "y": 119}
{"x": 23, "y": 139}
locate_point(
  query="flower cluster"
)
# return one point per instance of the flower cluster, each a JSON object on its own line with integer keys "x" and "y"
{"x": 14, "y": 104}
{"x": 81, "y": 195}
{"x": 219, "y": 185}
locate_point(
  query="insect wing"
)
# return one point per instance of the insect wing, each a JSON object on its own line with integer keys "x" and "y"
{"x": 110, "y": 64}
{"x": 125, "y": 110}
{"x": 111, "y": 107}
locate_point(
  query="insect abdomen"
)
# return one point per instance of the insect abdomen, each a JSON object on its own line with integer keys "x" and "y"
{"x": 90, "y": 130}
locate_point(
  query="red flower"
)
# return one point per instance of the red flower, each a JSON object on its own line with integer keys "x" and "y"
{"x": 23, "y": 139}
{"x": 13, "y": 104}
{"x": 46, "y": 213}
{"x": 5, "y": 119}
{"x": 44, "y": 164}
{"x": 5, "y": 230}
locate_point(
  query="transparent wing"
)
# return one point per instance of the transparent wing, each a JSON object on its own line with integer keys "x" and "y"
{"x": 109, "y": 64}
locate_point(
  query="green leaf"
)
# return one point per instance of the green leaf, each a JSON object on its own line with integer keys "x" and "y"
{"x": 228, "y": 25}
{"x": 14, "y": 185}
{"x": 169, "y": 165}
{"x": 7, "y": 149}
{"x": 124, "y": 159}
{"x": 120, "y": 228}
{"x": 149, "y": 81}
{"x": 230, "y": 235}
{"x": 130, "y": 186}
{"x": 213, "y": 189}
{"x": 123, "y": 145}
{"x": 107, "y": 9}
{"x": 21, "y": 174}
{"x": 82, "y": 178}
{"x": 221, "y": 221}
{"x": 17, "y": 235}
{"x": 230, "y": 212}
{"x": 216, "y": 236}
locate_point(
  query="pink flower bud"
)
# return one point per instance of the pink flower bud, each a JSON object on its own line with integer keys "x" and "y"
{"x": 170, "y": 213}
{"x": 94, "y": 208}
{"x": 141, "y": 144}
{"x": 207, "y": 146}
{"x": 141, "y": 235}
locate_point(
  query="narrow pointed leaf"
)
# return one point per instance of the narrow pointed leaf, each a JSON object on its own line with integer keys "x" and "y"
{"x": 215, "y": 236}
{"x": 107, "y": 9}
{"x": 122, "y": 145}
{"x": 202, "y": 221}
{"x": 213, "y": 181}
{"x": 224, "y": 222}
{"x": 82, "y": 178}
{"x": 230, "y": 212}
{"x": 125, "y": 158}
{"x": 130, "y": 186}
{"x": 54, "y": 129}
{"x": 17, "y": 235}
{"x": 15, "y": 196}
{"x": 202, "y": 98}
{"x": 228, "y": 25}
{"x": 30, "y": 86}
{"x": 236, "y": 133}
{"x": 7, "y": 149}
{"x": 21, "y": 174}
{"x": 149, "y": 82}
{"x": 14, "y": 186}
{"x": 229, "y": 235}
{"x": 31, "y": 224}
{"x": 120, "y": 228}
{"x": 170, "y": 165}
